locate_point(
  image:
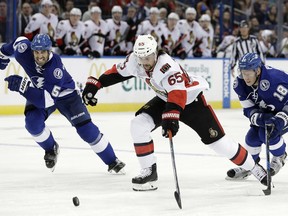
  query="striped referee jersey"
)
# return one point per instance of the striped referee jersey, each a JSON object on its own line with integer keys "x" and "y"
{"x": 242, "y": 46}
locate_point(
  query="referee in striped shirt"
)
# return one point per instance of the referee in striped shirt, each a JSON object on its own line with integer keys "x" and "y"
{"x": 245, "y": 43}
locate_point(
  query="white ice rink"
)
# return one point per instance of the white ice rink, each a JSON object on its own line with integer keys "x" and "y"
{"x": 28, "y": 188}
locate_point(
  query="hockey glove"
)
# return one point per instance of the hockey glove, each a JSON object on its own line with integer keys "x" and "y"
{"x": 4, "y": 61}
{"x": 170, "y": 121}
{"x": 280, "y": 121}
{"x": 258, "y": 118}
{"x": 91, "y": 88}
{"x": 17, "y": 83}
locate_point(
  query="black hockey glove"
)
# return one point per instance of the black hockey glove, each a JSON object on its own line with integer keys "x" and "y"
{"x": 17, "y": 83}
{"x": 91, "y": 88}
{"x": 280, "y": 121}
{"x": 170, "y": 121}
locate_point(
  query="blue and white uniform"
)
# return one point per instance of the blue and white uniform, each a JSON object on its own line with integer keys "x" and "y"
{"x": 269, "y": 97}
{"x": 52, "y": 88}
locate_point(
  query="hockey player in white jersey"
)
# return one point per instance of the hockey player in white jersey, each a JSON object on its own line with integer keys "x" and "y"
{"x": 43, "y": 22}
{"x": 117, "y": 33}
{"x": 70, "y": 32}
{"x": 172, "y": 37}
{"x": 206, "y": 46}
{"x": 266, "y": 45}
{"x": 179, "y": 97}
{"x": 152, "y": 26}
{"x": 193, "y": 30}
{"x": 95, "y": 33}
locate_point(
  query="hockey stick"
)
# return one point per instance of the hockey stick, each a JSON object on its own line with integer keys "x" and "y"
{"x": 177, "y": 192}
{"x": 268, "y": 132}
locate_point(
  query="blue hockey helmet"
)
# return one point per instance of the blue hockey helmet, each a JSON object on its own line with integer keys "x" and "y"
{"x": 41, "y": 42}
{"x": 250, "y": 61}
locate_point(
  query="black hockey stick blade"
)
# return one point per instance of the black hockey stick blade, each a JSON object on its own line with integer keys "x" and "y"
{"x": 178, "y": 199}
{"x": 268, "y": 132}
{"x": 177, "y": 192}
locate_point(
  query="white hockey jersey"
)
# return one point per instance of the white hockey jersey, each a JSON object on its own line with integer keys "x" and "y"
{"x": 146, "y": 27}
{"x": 171, "y": 37}
{"x": 167, "y": 76}
{"x": 70, "y": 35}
{"x": 95, "y": 34}
{"x": 193, "y": 32}
{"x": 41, "y": 24}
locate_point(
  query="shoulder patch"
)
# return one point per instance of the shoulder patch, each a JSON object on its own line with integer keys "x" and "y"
{"x": 235, "y": 83}
{"x": 21, "y": 47}
{"x": 165, "y": 68}
{"x": 264, "y": 85}
{"x": 58, "y": 74}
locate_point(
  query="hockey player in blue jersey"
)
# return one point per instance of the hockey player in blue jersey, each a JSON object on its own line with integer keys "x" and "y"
{"x": 263, "y": 94}
{"x": 51, "y": 87}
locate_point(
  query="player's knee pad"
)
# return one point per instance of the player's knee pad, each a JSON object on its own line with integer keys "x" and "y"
{"x": 88, "y": 132}
{"x": 34, "y": 122}
{"x": 262, "y": 136}
{"x": 141, "y": 127}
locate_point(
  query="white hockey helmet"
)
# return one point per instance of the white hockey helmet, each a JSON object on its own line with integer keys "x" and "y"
{"x": 116, "y": 8}
{"x": 76, "y": 11}
{"x": 46, "y": 2}
{"x": 190, "y": 10}
{"x": 95, "y": 9}
{"x": 145, "y": 45}
{"x": 266, "y": 34}
{"x": 173, "y": 16}
{"x": 205, "y": 17}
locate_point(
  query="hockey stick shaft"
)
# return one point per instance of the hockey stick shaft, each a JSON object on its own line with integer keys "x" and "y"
{"x": 177, "y": 192}
{"x": 268, "y": 130}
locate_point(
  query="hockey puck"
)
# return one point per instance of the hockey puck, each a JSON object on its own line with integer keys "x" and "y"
{"x": 76, "y": 201}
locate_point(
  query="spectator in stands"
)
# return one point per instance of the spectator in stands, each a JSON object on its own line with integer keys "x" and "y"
{"x": 44, "y": 22}
{"x": 3, "y": 17}
{"x": 201, "y": 7}
{"x": 254, "y": 26}
{"x": 70, "y": 33}
{"x": 133, "y": 22}
{"x": 68, "y": 7}
{"x": 95, "y": 34}
{"x": 272, "y": 16}
{"x": 87, "y": 14}
{"x": 24, "y": 17}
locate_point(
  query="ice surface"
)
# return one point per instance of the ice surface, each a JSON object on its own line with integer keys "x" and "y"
{"x": 28, "y": 188}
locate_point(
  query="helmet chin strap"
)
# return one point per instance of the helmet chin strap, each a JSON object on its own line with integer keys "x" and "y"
{"x": 257, "y": 78}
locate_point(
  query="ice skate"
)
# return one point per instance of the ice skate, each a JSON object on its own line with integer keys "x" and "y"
{"x": 50, "y": 157}
{"x": 146, "y": 180}
{"x": 277, "y": 163}
{"x": 260, "y": 173}
{"x": 117, "y": 167}
{"x": 238, "y": 174}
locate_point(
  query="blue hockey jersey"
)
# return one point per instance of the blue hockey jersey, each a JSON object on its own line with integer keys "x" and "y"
{"x": 270, "y": 95}
{"x": 50, "y": 83}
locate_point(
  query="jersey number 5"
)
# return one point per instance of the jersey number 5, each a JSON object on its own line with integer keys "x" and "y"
{"x": 55, "y": 91}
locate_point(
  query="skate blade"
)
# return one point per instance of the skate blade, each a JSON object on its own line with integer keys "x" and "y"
{"x": 121, "y": 172}
{"x": 149, "y": 186}
{"x": 236, "y": 179}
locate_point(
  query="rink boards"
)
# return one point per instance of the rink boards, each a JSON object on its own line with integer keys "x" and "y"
{"x": 132, "y": 94}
